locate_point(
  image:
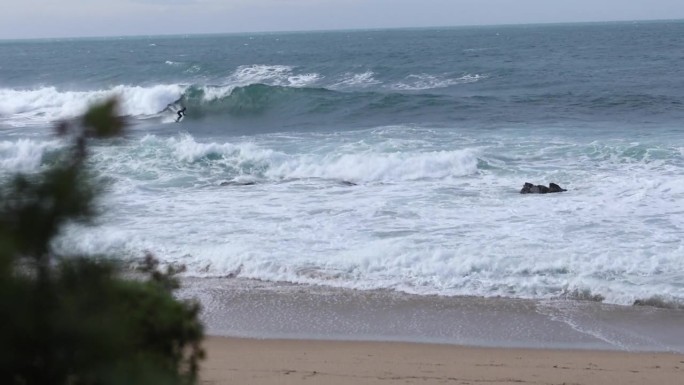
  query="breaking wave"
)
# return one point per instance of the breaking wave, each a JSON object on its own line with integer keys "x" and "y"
{"x": 48, "y": 104}
{"x": 249, "y": 89}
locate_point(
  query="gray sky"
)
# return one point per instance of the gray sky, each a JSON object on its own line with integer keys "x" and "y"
{"x": 67, "y": 18}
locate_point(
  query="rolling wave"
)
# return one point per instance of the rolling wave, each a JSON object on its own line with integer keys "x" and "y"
{"x": 284, "y": 94}
{"x": 253, "y": 99}
{"x": 48, "y": 104}
{"x": 248, "y": 90}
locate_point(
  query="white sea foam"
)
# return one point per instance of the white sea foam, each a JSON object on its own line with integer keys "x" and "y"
{"x": 193, "y": 69}
{"x": 356, "y": 80}
{"x": 438, "y": 214}
{"x": 278, "y": 75}
{"x": 275, "y": 75}
{"x": 24, "y": 155}
{"x": 302, "y": 80}
{"x": 48, "y": 104}
{"x": 427, "y": 81}
{"x": 379, "y": 167}
{"x": 373, "y": 165}
{"x": 186, "y": 149}
{"x": 214, "y": 93}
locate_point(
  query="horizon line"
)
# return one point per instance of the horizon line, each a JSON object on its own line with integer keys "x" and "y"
{"x": 354, "y": 29}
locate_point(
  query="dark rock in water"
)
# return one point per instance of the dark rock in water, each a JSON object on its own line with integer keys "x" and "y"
{"x": 555, "y": 188}
{"x": 348, "y": 183}
{"x": 233, "y": 183}
{"x": 529, "y": 188}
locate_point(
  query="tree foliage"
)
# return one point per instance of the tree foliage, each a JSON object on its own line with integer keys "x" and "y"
{"x": 69, "y": 319}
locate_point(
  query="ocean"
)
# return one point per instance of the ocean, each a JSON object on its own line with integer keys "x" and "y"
{"x": 379, "y": 159}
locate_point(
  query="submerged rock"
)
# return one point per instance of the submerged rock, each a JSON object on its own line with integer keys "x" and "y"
{"x": 234, "y": 183}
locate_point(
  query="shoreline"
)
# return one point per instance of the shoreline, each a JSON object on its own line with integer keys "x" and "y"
{"x": 272, "y": 361}
{"x": 242, "y": 308}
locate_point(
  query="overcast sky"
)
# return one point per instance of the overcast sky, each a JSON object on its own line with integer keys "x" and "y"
{"x": 71, "y": 18}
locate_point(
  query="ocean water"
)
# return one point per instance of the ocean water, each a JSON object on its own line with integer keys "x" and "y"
{"x": 388, "y": 159}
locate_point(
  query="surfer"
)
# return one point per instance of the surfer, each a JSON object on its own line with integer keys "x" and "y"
{"x": 181, "y": 114}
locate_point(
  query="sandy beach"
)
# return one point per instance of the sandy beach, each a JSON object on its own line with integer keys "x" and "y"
{"x": 266, "y": 333}
{"x": 263, "y": 310}
{"x": 253, "y": 361}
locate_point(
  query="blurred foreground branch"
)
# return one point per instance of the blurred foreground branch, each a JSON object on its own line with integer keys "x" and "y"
{"x": 71, "y": 319}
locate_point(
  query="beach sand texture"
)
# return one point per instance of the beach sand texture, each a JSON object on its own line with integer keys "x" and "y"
{"x": 253, "y": 361}
{"x": 288, "y": 334}
{"x": 261, "y": 310}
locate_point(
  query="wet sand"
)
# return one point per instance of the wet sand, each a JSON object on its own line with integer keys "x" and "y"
{"x": 266, "y": 333}
{"x": 253, "y": 309}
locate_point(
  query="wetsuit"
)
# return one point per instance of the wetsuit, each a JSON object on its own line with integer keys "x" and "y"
{"x": 181, "y": 114}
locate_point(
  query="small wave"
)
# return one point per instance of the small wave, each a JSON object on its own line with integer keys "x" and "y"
{"x": 378, "y": 167}
{"x": 227, "y": 161}
{"x": 660, "y": 302}
{"x": 356, "y": 80}
{"x": 303, "y": 80}
{"x": 195, "y": 68}
{"x": 179, "y": 160}
{"x": 629, "y": 153}
{"x": 254, "y": 99}
{"x": 275, "y": 75}
{"x": 186, "y": 149}
{"x": 583, "y": 295}
{"x": 589, "y": 102}
{"x": 633, "y": 101}
{"x": 210, "y": 93}
{"x": 255, "y": 75}
{"x": 426, "y": 81}
{"x": 25, "y": 155}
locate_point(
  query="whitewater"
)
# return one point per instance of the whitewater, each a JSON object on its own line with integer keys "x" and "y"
{"x": 379, "y": 159}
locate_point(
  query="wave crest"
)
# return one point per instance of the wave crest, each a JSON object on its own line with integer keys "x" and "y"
{"x": 47, "y": 104}
{"x": 379, "y": 167}
{"x": 25, "y": 155}
{"x": 275, "y": 75}
{"x": 427, "y": 82}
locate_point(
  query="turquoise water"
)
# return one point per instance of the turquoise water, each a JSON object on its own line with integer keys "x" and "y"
{"x": 380, "y": 159}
